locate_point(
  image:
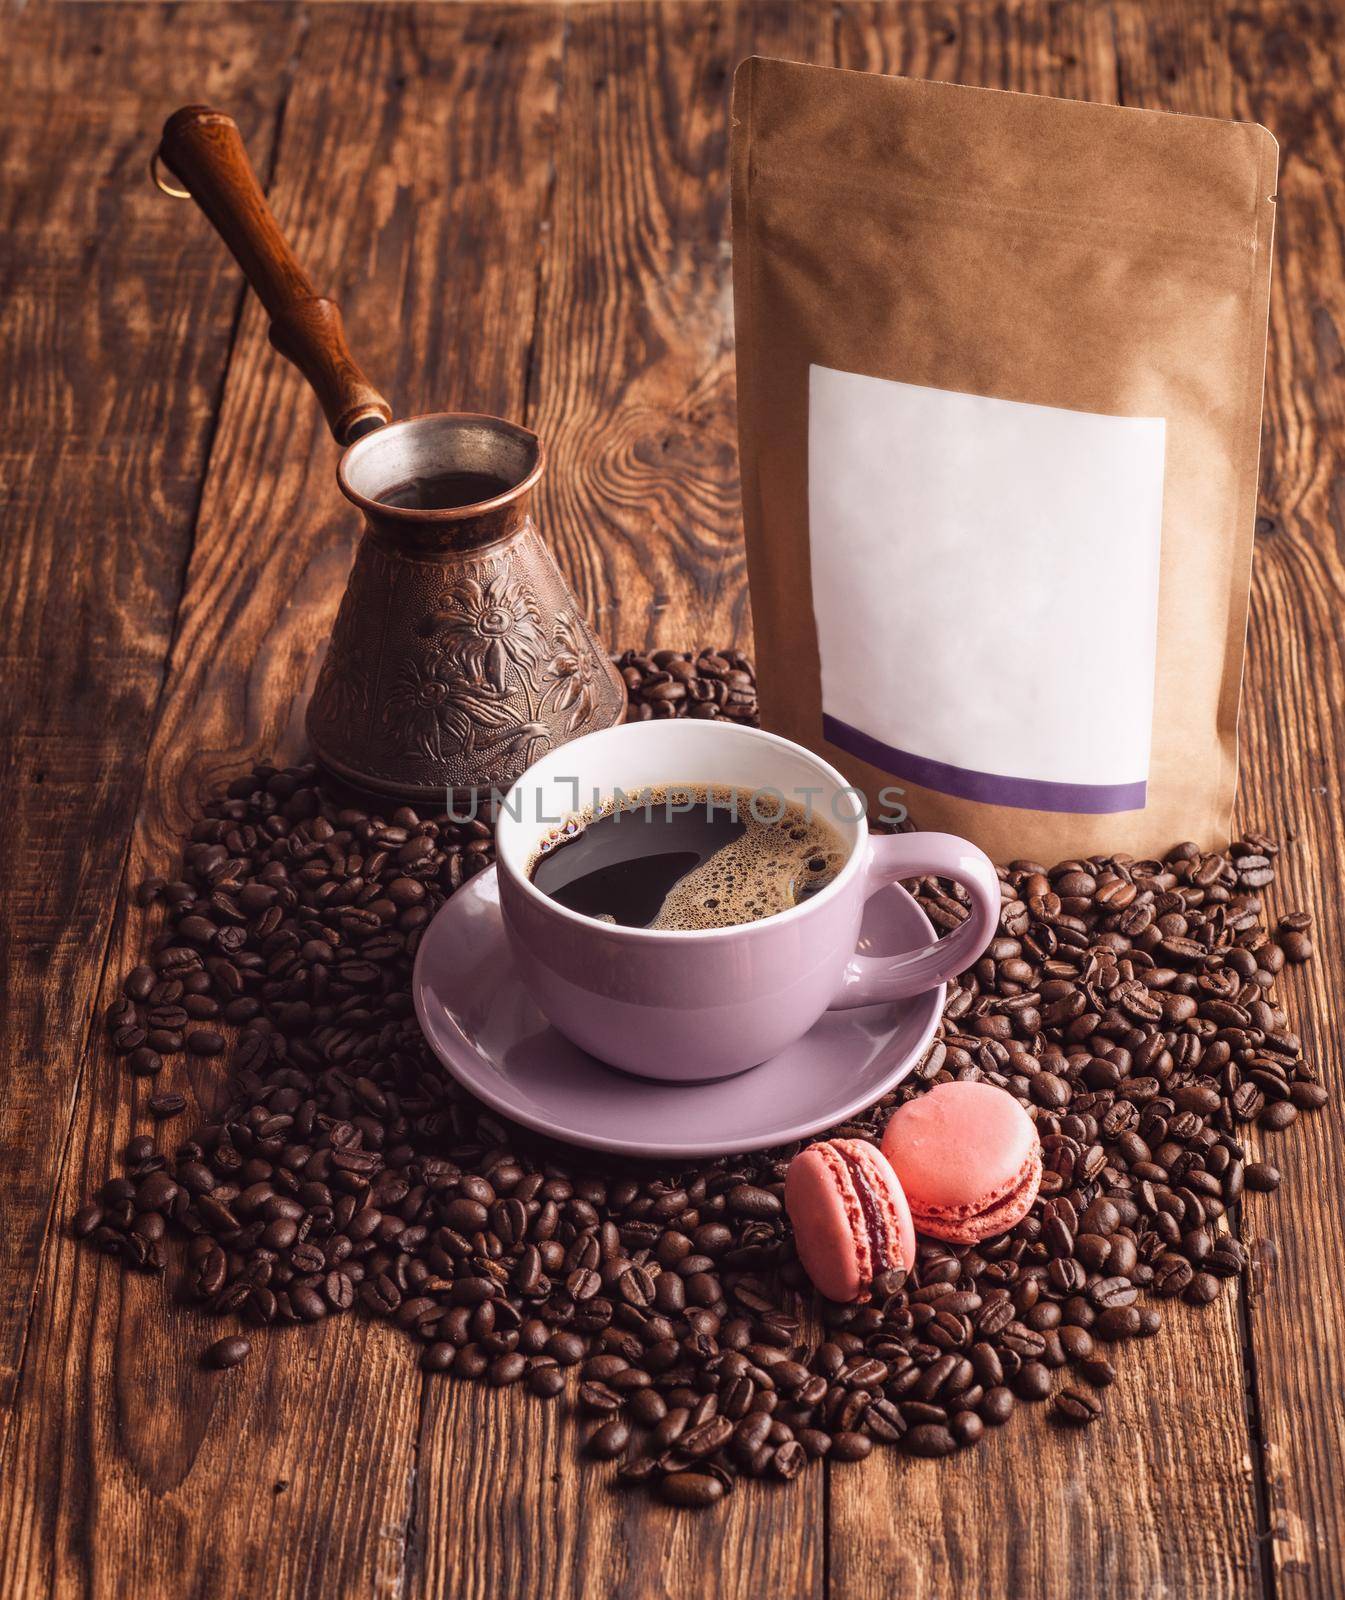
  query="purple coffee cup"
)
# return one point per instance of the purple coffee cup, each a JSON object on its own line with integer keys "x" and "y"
{"x": 684, "y": 1005}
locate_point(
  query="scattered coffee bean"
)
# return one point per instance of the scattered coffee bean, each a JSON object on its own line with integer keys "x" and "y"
{"x": 691, "y": 1489}
{"x": 929, "y": 1439}
{"x": 997, "y": 1407}
{"x": 547, "y": 1382}
{"x": 1033, "y": 1381}
{"x": 228, "y": 1352}
{"x": 508, "y": 1368}
{"x": 471, "y": 1361}
{"x": 598, "y": 1398}
{"x": 967, "y": 1428}
{"x": 1261, "y": 1177}
{"x": 144, "y": 1062}
{"x": 1077, "y": 1407}
{"x": 566, "y": 1348}
{"x": 1202, "y": 1289}
{"x": 1098, "y": 1371}
{"x": 609, "y": 1439}
{"x": 1127, "y": 1004}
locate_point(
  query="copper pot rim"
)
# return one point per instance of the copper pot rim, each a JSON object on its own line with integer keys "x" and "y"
{"x": 448, "y": 514}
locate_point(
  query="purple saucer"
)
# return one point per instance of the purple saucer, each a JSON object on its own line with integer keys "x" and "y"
{"x": 495, "y": 1042}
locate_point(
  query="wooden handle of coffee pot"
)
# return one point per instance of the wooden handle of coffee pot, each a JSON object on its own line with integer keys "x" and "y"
{"x": 204, "y": 149}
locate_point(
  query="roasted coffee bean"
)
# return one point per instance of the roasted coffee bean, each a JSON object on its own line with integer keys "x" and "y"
{"x": 138, "y": 1151}
{"x": 608, "y": 1439}
{"x": 437, "y": 1357}
{"x": 471, "y": 1361}
{"x": 997, "y": 1407}
{"x": 308, "y": 1304}
{"x": 1278, "y": 1115}
{"x": 598, "y": 1398}
{"x": 967, "y": 1428}
{"x": 849, "y": 1446}
{"x": 583, "y": 1284}
{"x": 228, "y": 1352}
{"x": 869, "y": 1374}
{"x": 755, "y": 1203}
{"x": 1203, "y": 1288}
{"x": 646, "y": 1407}
{"x": 1172, "y": 1274}
{"x": 506, "y": 1369}
{"x": 1076, "y": 1343}
{"x": 884, "y": 1420}
{"x": 546, "y": 1381}
{"x": 144, "y": 1062}
{"x": 671, "y": 1428}
{"x": 1077, "y": 1407}
{"x": 707, "y": 1438}
{"x": 1122, "y": 1322}
{"x": 155, "y": 1192}
{"x": 690, "y": 1489}
{"x": 636, "y": 1470}
{"x": 1106, "y": 1293}
{"x": 1033, "y": 1381}
{"x": 1261, "y": 1177}
{"x": 602, "y": 1368}
{"x": 139, "y": 983}
{"x": 929, "y": 1439}
{"x": 566, "y": 1348}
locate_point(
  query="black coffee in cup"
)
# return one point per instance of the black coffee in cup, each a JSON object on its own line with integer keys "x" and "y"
{"x": 687, "y": 858}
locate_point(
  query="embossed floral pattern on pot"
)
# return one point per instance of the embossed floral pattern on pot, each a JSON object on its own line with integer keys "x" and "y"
{"x": 488, "y": 622}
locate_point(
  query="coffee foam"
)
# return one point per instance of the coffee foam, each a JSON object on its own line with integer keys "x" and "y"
{"x": 754, "y": 876}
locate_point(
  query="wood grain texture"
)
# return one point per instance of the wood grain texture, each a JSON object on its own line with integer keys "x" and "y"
{"x": 633, "y": 381}
{"x": 130, "y": 1470}
{"x": 110, "y": 313}
{"x": 1160, "y": 1498}
{"x": 1283, "y": 66}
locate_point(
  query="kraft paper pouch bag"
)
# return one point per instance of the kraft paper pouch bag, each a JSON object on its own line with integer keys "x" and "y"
{"x": 1000, "y": 361}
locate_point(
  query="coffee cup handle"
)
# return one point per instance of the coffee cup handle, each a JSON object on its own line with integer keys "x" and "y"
{"x": 871, "y": 980}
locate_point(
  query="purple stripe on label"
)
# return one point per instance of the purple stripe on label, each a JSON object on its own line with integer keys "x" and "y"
{"x": 1028, "y": 794}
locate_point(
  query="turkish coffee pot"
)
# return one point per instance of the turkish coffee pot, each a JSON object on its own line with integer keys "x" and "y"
{"x": 459, "y": 654}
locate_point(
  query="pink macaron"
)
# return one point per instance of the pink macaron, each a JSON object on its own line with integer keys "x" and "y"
{"x": 969, "y": 1159}
{"x": 851, "y": 1220}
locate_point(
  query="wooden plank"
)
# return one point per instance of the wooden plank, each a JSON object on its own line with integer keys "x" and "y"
{"x": 114, "y": 333}
{"x": 633, "y": 391}
{"x": 412, "y": 176}
{"x": 1286, "y": 65}
{"x": 1157, "y": 1499}
{"x": 1281, "y": 65}
{"x": 633, "y": 383}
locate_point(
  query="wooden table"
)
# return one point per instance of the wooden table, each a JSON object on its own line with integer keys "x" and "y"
{"x": 525, "y": 210}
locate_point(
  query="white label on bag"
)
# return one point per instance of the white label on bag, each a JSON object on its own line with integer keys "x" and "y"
{"x": 985, "y": 584}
